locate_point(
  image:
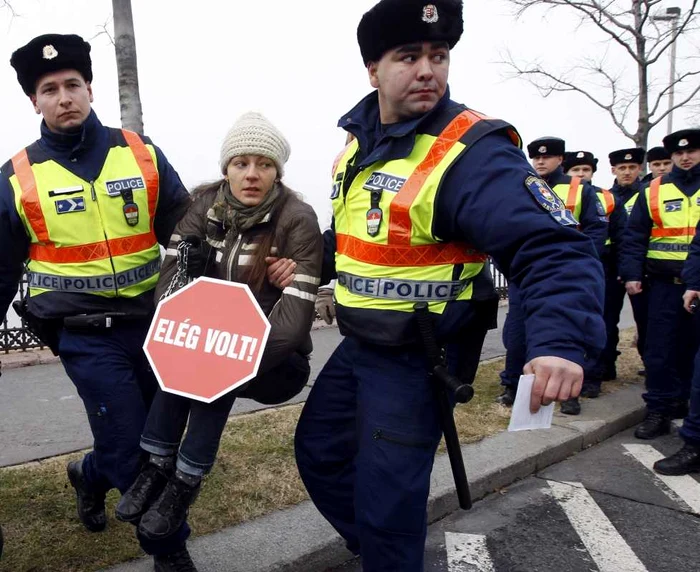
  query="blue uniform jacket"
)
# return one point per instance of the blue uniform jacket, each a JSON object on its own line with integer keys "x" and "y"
{"x": 484, "y": 201}
{"x": 84, "y": 154}
{"x": 593, "y": 221}
{"x": 635, "y": 241}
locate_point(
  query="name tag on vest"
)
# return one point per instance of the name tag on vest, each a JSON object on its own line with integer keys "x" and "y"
{"x": 117, "y": 187}
{"x": 379, "y": 181}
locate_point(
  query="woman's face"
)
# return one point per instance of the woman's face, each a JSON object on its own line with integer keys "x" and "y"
{"x": 251, "y": 177}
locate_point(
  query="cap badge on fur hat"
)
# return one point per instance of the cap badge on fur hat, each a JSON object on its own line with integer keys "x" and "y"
{"x": 542, "y": 149}
{"x": 628, "y": 157}
{"x": 430, "y": 14}
{"x": 49, "y": 52}
{"x": 580, "y": 155}
{"x": 683, "y": 143}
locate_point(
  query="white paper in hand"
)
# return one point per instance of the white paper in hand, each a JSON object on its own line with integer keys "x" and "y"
{"x": 521, "y": 419}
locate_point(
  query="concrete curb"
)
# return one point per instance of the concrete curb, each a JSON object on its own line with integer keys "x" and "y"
{"x": 300, "y": 539}
{"x": 30, "y": 357}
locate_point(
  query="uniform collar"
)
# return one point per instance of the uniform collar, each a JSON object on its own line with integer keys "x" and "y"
{"x": 72, "y": 144}
{"x": 628, "y": 190}
{"x": 556, "y": 177}
{"x": 678, "y": 175}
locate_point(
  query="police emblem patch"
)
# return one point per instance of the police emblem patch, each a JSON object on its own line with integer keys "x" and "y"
{"x": 374, "y": 220}
{"x": 600, "y": 208}
{"x": 335, "y": 192}
{"x": 430, "y": 14}
{"x": 49, "y": 52}
{"x": 549, "y": 201}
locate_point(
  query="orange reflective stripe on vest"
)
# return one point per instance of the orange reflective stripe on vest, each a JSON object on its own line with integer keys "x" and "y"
{"x": 406, "y": 255}
{"x": 399, "y": 211}
{"x": 30, "y": 195}
{"x": 654, "y": 205}
{"x": 148, "y": 169}
{"x": 94, "y": 251}
{"x": 666, "y": 232}
{"x": 609, "y": 201}
{"x": 573, "y": 193}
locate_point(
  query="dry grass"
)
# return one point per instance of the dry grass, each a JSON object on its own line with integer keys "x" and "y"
{"x": 254, "y": 475}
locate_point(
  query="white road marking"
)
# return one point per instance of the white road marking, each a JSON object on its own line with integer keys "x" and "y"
{"x": 467, "y": 553}
{"x": 683, "y": 487}
{"x": 602, "y": 540}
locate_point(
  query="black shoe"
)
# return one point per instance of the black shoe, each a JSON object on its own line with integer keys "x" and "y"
{"x": 168, "y": 513}
{"x": 179, "y": 561}
{"x": 507, "y": 398}
{"x": 655, "y": 425}
{"x": 609, "y": 373}
{"x": 571, "y": 406}
{"x": 685, "y": 461}
{"x": 91, "y": 502}
{"x": 680, "y": 410}
{"x": 590, "y": 390}
{"x": 138, "y": 498}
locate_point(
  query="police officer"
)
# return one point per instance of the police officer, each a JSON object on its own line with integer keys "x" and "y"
{"x": 626, "y": 165}
{"x": 427, "y": 187}
{"x": 687, "y": 459}
{"x": 584, "y": 164}
{"x": 659, "y": 162}
{"x": 86, "y": 207}
{"x": 547, "y": 154}
{"x": 660, "y": 229}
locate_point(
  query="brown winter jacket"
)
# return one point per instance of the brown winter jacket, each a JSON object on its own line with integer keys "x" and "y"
{"x": 297, "y": 236}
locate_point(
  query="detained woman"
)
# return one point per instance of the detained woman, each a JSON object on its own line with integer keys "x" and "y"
{"x": 231, "y": 228}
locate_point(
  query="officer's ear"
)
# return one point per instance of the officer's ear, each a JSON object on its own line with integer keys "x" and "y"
{"x": 32, "y": 98}
{"x": 372, "y": 68}
{"x": 89, "y": 88}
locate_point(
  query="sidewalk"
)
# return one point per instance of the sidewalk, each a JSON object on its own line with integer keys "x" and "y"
{"x": 300, "y": 540}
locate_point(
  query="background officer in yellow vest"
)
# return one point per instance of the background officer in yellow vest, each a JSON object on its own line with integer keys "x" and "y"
{"x": 687, "y": 459}
{"x": 426, "y": 187}
{"x": 655, "y": 244}
{"x": 85, "y": 208}
{"x": 584, "y": 164}
{"x": 547, "y": 154}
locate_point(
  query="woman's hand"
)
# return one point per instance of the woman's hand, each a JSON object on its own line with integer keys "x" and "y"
{"x": 280, "y": 271}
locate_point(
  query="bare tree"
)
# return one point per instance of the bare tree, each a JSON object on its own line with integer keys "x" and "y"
{"x": 125, "y": 47}
{"x": 637, "y": 29}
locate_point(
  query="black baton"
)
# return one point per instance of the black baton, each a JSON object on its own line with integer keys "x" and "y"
{"x": 443, "y": 382}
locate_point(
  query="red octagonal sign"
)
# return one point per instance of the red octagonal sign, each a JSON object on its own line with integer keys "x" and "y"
{"x": 207, "y": 339}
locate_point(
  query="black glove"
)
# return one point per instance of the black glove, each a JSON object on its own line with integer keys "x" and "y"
{"x": 199, "y": 255}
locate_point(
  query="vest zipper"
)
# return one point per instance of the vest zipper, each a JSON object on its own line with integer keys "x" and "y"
{"x": 232, "y": 256}
{"x": 93, "y": 194}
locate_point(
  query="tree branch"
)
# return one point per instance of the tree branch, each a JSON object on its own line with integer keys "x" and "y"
{"x": 665, "y": 91}
{"x": 654, "y": 123}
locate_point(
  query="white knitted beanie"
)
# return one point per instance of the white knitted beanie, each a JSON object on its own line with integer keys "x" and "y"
{"x": 253, "y": 134}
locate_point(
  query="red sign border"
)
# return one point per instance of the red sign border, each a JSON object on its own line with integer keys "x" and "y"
{"x": 263, "y": 343}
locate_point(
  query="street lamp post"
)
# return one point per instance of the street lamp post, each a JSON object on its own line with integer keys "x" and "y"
{"x": 672, "y": 15}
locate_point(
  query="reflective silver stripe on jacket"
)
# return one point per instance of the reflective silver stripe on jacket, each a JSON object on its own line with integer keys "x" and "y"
{"x": 410, "y": 290}
{"x": 668, "y": 247}
{"x": 105, "y": 283}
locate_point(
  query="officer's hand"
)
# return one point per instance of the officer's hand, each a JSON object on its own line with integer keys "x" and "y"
{"x": 688, "y": 298}
{"x": 324, "y": 305}
{"x": 633, "y": 288}
{"x": 280, "y": 271}
{"x": 556, "y": 379}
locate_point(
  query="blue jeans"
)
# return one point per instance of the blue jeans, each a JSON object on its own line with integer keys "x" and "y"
{"x": 166, "y": 426}
{"x": 116, "y": 384}
{"x": 671, "y": 345}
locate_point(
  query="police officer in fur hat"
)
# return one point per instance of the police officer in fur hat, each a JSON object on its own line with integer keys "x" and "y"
{"x": 425, "y": 189}
{"x": 659, "y": 162}
{"x": 87, "y": 207}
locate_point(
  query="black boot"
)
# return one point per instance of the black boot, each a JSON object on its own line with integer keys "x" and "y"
{"x": 179, "y": 561}
{"x": 571, "y": 406}
{"x": 609, "y": 373}
{"x": 148, "y": 485}
{"x": 590, "y": 390}
{"x": 655, "y": 425}
{"x": 680, "y": 410}
{"x": 168, "y": 513}
{"x": 685, "y": 461}
{"x": 91, "y": 501}
{"x": 507, "y": 398}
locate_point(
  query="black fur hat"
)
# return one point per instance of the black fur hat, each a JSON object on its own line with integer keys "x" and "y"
{"x": 393, "y": 23}
{"x": 575, "y": 158}
{"x": 50, "y": 53}
{"x": 682, "y": 140}
{"x": 658, "y": 154}
{"x": 546, "y": 146}
{"x": 634, "y": 155}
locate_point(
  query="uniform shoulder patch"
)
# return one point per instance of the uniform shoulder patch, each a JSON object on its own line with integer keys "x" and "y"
{"x": 599, "y": 207}
{"x": 549, "y": 201}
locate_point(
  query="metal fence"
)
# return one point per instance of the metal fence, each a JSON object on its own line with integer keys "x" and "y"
{"x": 14, "y": 335}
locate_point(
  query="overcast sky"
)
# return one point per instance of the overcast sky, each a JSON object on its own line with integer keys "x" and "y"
{"x": 203, "y": 63}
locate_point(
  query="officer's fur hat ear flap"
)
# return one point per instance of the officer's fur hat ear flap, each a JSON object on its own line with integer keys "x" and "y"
{"x": 394, "y": 23}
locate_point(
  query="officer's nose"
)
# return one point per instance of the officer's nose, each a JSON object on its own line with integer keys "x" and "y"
{"x": 425, "y": 70}
{"x": 65, "y": 98}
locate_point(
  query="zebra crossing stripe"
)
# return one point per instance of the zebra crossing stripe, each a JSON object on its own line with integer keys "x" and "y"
{"x": 467, "y": 553}
{"x": 683, "y": 487}
{"x": 605, "y": 545}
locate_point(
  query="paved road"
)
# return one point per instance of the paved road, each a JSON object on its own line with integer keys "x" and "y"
{"x": 602, "y": 510}
{"x": 42, "y": 416}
